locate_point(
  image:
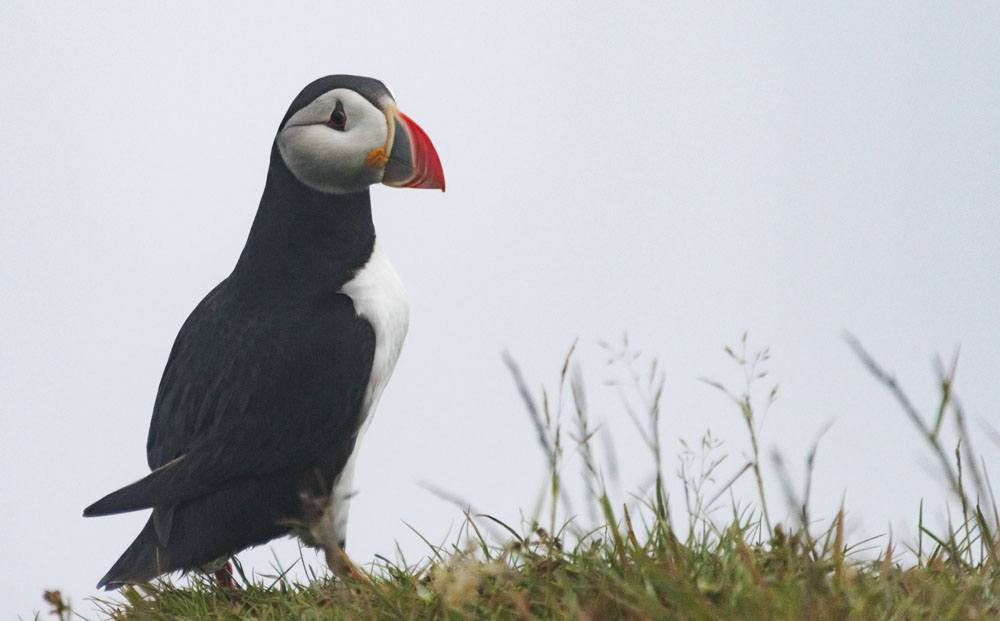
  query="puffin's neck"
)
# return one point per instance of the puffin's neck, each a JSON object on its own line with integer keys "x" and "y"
{"x": 303, "y": 240}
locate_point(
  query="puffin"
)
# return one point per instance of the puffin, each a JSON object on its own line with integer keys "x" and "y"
{"x": 276, "y": 373}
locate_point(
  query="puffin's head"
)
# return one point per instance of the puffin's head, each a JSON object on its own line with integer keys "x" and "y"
{"x": 344, "y": 133}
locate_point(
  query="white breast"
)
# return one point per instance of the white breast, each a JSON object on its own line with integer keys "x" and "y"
{"x": 379, "y": 297}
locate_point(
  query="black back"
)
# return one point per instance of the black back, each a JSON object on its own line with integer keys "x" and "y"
{"x": 279, "y": 308}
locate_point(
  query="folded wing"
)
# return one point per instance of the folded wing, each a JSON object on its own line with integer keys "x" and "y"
{"x": 248, "y": 393}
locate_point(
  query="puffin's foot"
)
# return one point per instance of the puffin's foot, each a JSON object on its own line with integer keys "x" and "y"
{"x": 224, "y": 577}
{"x": 342, "y": 565}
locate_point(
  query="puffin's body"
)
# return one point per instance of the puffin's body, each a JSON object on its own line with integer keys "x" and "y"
{"x": 275, "y": 374}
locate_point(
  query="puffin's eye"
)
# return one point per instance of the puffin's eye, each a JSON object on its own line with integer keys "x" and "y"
{"x": 338, "y": 119}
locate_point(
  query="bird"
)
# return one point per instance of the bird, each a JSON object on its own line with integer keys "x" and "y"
{"x": 276, "y": 373}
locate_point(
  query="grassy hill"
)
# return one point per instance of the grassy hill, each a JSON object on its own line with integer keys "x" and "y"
{"x": 642, "y": 563}
{"x": 789, "y": 577}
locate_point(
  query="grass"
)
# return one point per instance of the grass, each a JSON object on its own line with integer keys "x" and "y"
{"x": 651, "y": 556}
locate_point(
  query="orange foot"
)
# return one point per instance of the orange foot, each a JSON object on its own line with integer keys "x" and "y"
{"x": 224, "y": 577}
{"x": 342, "y": 565}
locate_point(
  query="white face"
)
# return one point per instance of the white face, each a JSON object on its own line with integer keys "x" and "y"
{"x": 329, "y": 144}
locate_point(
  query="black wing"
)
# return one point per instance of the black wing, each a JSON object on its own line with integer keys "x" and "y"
{"x": 249, "y": 391}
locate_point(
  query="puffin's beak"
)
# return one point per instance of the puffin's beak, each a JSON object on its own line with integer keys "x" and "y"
{"x": 413, "y": 162}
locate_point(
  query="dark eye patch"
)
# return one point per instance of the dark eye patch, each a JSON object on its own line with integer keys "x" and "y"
{"x": 338, "y": 118}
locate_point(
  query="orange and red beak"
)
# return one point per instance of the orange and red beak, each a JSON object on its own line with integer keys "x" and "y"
{"x": 413, "y": 162}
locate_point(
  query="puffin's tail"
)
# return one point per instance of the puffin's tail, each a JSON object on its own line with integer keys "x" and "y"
{"x": 198, "y": 532}
{"x": 141, "y": 562}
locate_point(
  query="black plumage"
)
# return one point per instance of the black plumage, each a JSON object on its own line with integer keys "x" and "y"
{"x": 260, "y": 402}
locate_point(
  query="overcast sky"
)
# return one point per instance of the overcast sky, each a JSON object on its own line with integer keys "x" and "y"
{"x": 679, "y": 172}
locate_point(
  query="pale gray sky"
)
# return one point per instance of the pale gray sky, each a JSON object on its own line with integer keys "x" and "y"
{"x": 678, "y": 171}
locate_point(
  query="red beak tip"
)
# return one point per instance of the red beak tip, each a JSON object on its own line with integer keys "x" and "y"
{"x": 429, "y": 173}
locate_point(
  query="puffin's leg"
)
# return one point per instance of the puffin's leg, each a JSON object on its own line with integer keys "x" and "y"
{"x": 342, "y": 565}
{"x": 224, "y": 576}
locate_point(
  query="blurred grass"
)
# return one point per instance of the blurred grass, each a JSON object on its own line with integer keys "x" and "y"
{"x": 636, "y": 561}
